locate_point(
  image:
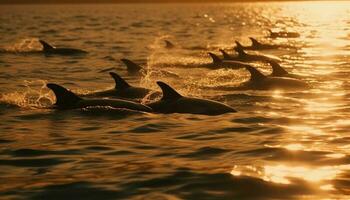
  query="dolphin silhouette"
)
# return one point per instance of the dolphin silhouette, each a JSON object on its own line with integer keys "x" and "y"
{"x": 245, "y": 57}
{"x": 124, "y": 90}
{"x": 49, "y": 49}
{"x": 66, "y": 99}
{"x": 279, "y": 71}
{"x": 259, "y": 81}
{"x": 256, "y": 45}
{"x": 173, "y": 102}
{"x": 168, "y": 44}
{"x": 218, "y": 63}
{"x": 283, "y": 34}
{"x": 135, "y": 69}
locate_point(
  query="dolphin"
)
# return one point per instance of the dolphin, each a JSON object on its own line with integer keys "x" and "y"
{"x": 135, "y": 69}
{"x": 259, "y": 81}
{"x": 283, "y": 34}
{"x": 279, "y": 71}
{"x": 173, "y": 102}
{"x": 168, "y": 44}
{"x": 256, "y": 45}
{"x": 66, "y": 99}
{"x": 218, "y": 63}
{"x": 131, "y": 66}
{"x": 123, "y": 90}
{"x": 49, "y": 49}
{"x": 245, "y": 57}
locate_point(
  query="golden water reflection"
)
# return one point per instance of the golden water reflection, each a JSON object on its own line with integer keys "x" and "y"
{"x": 320, "y": 176}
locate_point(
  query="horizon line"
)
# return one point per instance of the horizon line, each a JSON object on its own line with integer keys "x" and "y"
{"x": 7, "y": 2}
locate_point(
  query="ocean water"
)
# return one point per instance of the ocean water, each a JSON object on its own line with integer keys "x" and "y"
{"x": 279, "y": 145}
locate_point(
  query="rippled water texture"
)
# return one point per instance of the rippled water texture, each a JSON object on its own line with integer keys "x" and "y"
{"x": 280, "y": 145}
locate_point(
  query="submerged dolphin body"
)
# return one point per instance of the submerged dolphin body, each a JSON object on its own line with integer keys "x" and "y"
{"x": 218, "y": 63}
{"x": 245, "y": 57}
{"x": 173, "y": 102}
{"x": 168, "y": 44}
{"x": 123, "y": 90}
{"x": 256, "y": 45}
{"x": 278, "y": 71}
{"x": 283, "y": 34}
{"x": 66, "y": 99}
{"x": 135, "y": 69}
{"x": 50, "y": 50}
{"x": 259, "y": 81}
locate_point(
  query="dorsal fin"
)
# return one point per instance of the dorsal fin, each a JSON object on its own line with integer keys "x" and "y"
{"x": 225, "y": 54}
{"x": 46, "y": 46}
{"x": 255, "y": 75}
{"x": 168, "y": 92}
{"x": 215, "y": 58}
{"x": 120, "y": 83}
{"x": 131, "y": 66}
{"x": 64, "y": 97}
{"x": 254, "y": 42}
{"x": 239, "y": 49}
{"x": 277, "y": 70}
{"x": 169, "y": 44}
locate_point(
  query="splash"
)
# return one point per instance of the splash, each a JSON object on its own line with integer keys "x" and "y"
{"x": 36, "y": 95}
{"x": 28, "y": 45}
{"x": 186, "y": 69}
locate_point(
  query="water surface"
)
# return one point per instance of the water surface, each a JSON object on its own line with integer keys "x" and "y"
{"x": 280, "y": 145}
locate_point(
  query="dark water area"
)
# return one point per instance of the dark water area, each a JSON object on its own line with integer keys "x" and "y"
{"x": 281, "y": 144}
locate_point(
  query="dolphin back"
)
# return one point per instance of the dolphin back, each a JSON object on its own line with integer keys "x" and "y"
{"x": 46, "y": 46}
{"x": 120, "y": 83}
{"x": 64, "y": 98}
{"x": 131, "y": 66}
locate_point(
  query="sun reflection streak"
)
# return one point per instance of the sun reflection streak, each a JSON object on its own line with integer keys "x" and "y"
{"x": 335, "y": 155}
{"x": 294, "y": 147}
{"x": 284, "y": 174}
{"x": 281, "y": 173}
{"x": 305, "y": 129}
{"x": 290, "y": 147}
{"x": 327, "y": 187}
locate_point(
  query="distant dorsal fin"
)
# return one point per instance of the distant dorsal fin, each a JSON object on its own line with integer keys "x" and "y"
{"x": 254, "y": 42}
{"x": 168, "y": 92}
{"x": 225, "y": 54}
{"x": 46, "y": 46}
{"x": 131, "y": 66}
{"x": 239, "y": 49}
{"x": 255, "y": 75}
{"x": 215, "y": 58}
{"x": 64, "y": 97}
{"x": 120, "y": 83}
{"x": 277, "y": 70}
{"x": 169, "y": 44}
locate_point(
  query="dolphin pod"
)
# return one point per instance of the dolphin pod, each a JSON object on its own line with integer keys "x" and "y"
{"x": 126, "y": 96}
{"x": 49, "y": 50}
{"x": 171, "y": 102}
